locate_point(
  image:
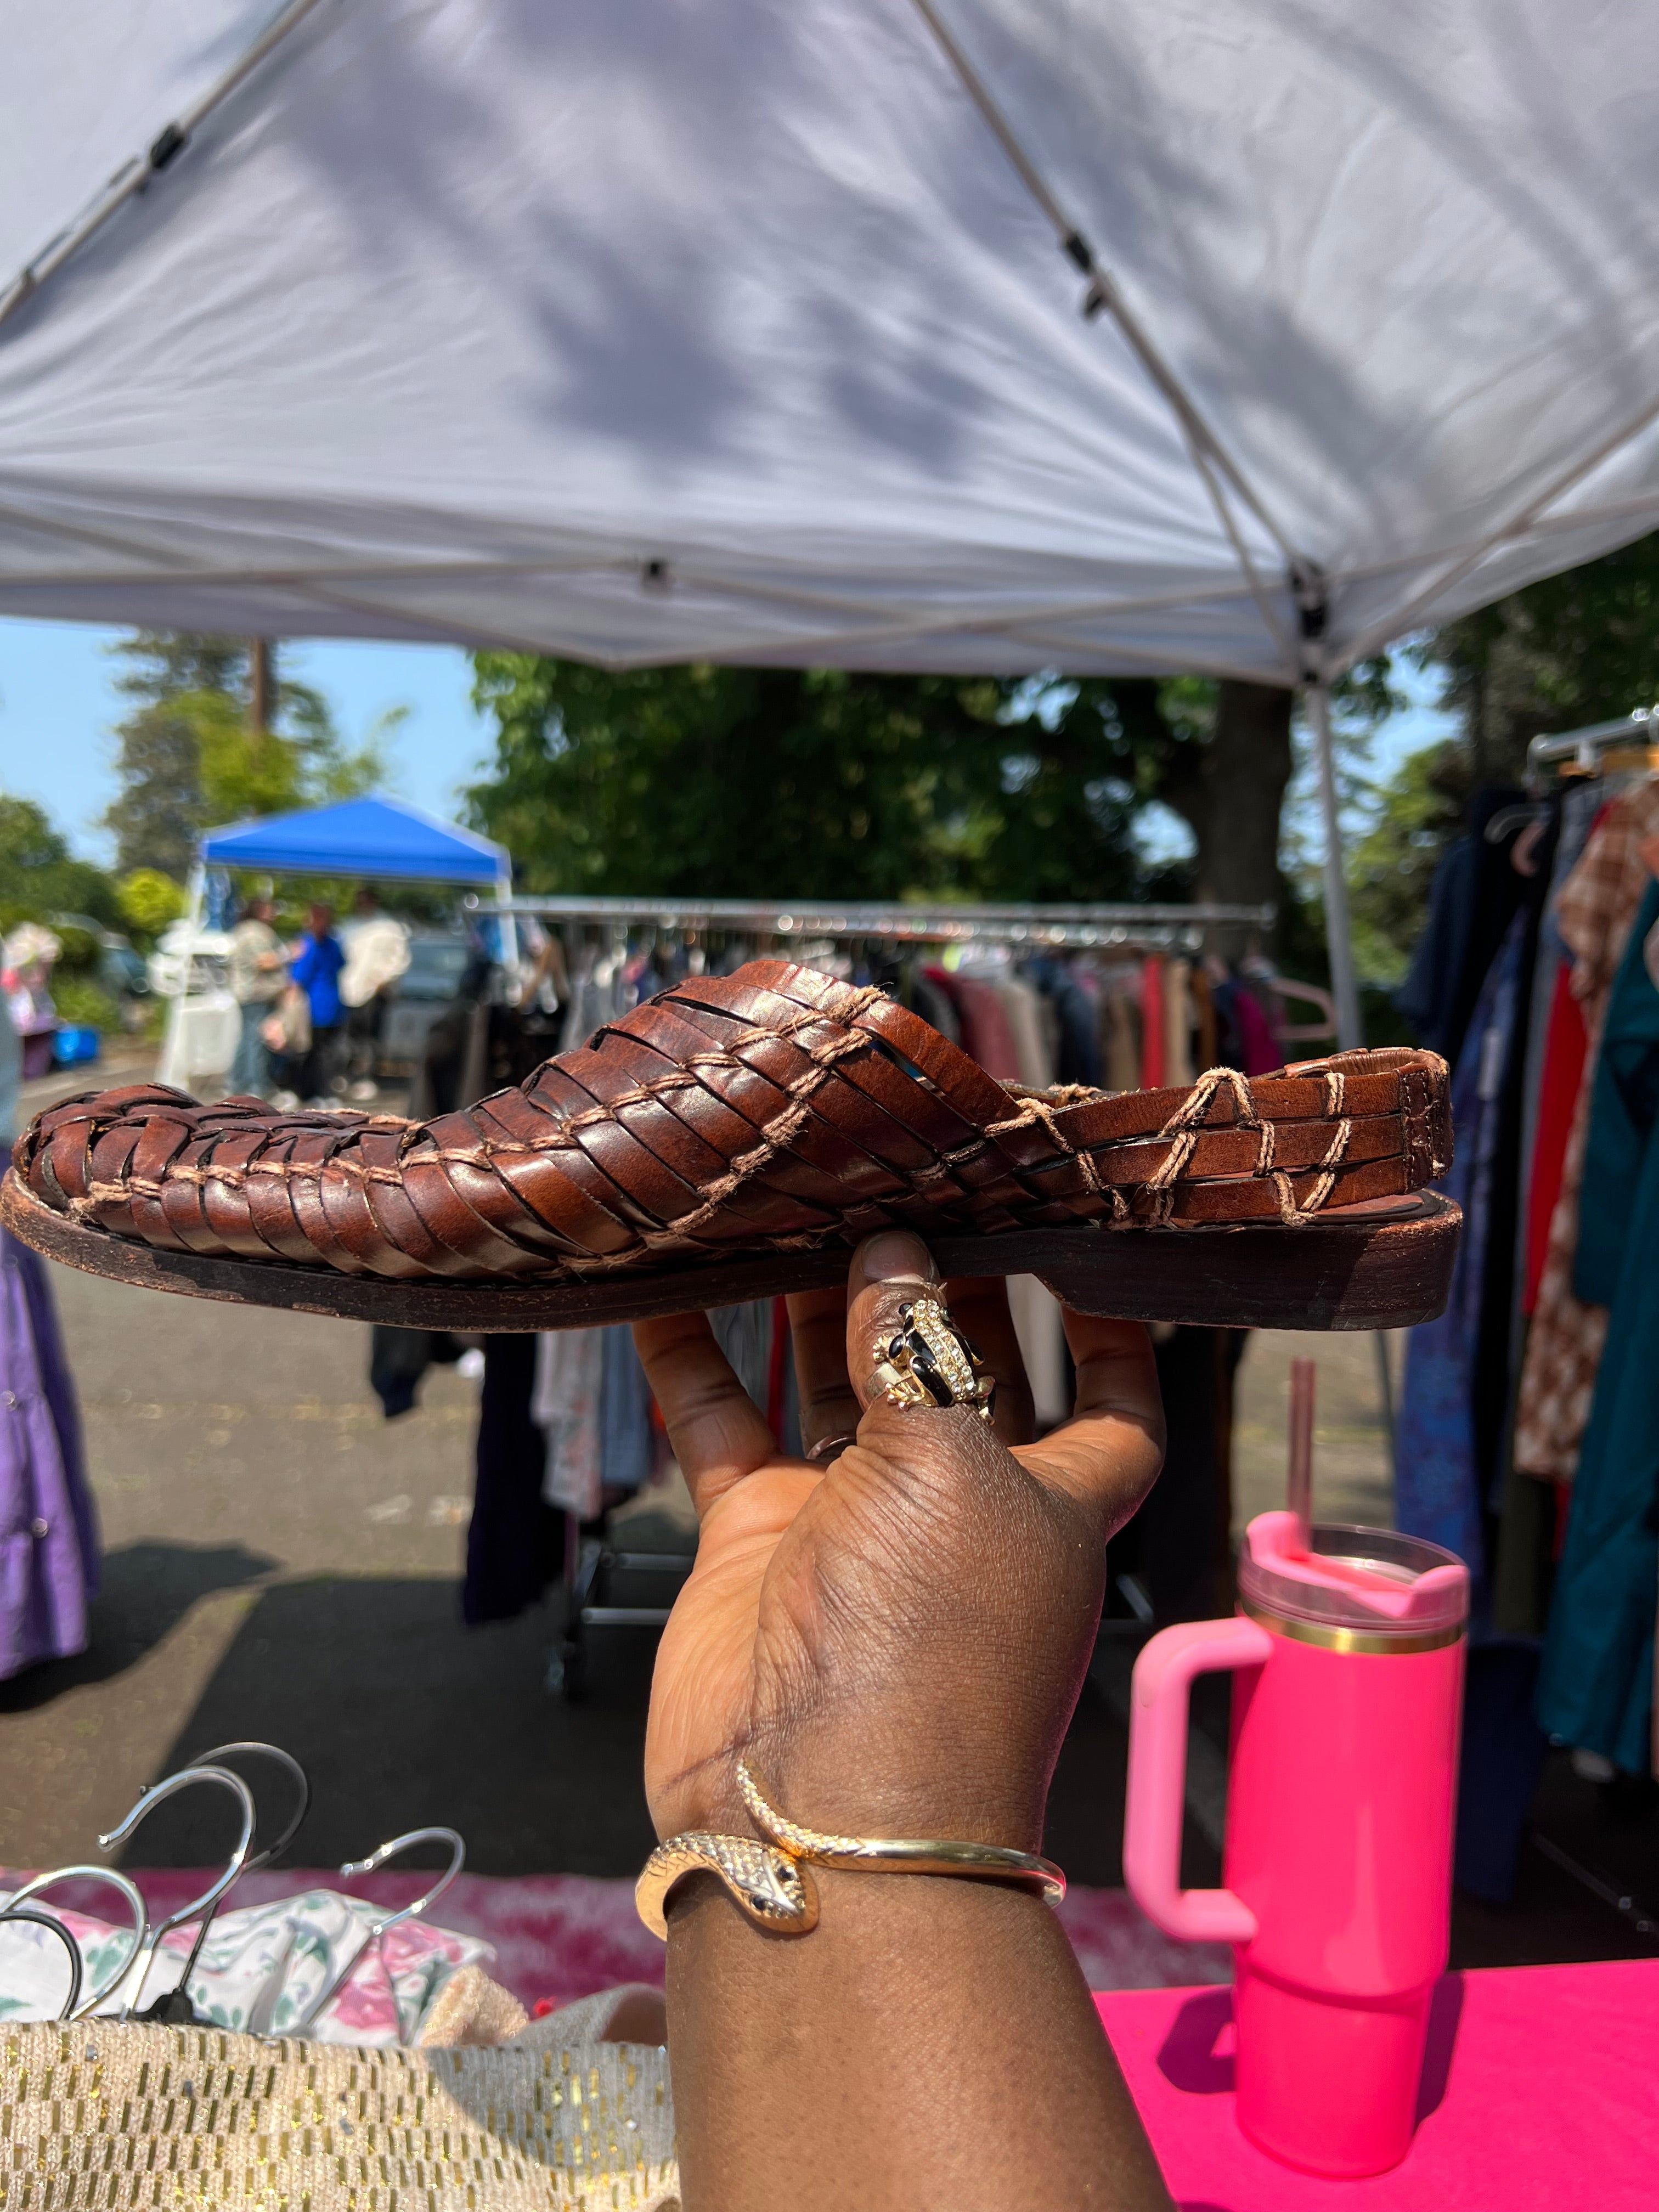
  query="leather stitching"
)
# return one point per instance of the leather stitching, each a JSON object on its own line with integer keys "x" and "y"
{"x": 819, "y": 1087}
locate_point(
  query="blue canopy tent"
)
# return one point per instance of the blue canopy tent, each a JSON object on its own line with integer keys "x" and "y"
{"x": 377, "y": 837}
{"x": 380, "y": 838}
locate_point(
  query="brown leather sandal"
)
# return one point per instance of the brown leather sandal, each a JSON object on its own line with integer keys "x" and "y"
{"x": 733, "y": 1139}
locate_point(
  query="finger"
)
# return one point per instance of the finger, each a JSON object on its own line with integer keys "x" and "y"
{"x": 978, "y": 1304}
{"x": 889, "y": 1271}
{"x": 715, "y": 1429}
{"x": 1109, "y": 1452}
{"x": 817, "y": 1332}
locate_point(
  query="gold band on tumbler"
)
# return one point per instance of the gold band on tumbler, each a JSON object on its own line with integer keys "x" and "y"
{"x": 1330, "y": 1635}
{"x": 770, "y": 1881}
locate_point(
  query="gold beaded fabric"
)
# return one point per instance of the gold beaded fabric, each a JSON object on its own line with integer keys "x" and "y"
{"x": 101, "y": 2118}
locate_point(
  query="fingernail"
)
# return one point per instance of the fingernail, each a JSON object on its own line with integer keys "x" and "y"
{"x": 895, "y": 1254}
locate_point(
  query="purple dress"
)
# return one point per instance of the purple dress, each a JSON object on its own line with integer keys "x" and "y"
{"x": 48, "y": 1524}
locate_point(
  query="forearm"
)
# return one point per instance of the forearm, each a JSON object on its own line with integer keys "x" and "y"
{"x": 931, "y": 2045}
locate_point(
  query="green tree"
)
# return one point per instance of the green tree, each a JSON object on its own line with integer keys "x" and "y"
{"x": 741, "y": 782}
{"x": 823, "y": 784}
{"x": 1582, "y": 647}
{"x": 40, "y": 879}
{"x": 189, "y": 757}
{"x": 150, "y": 900}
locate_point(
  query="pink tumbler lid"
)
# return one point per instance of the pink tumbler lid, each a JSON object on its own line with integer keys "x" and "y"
{"x": 1369, "y": 1580}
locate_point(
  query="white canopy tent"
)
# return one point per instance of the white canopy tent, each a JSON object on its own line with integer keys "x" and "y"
{"x": 931, "y": 334}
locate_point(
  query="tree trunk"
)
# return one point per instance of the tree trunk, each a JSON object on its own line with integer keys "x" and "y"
{"x": 1235, "y": 812}
{"x": 260, "y": 685}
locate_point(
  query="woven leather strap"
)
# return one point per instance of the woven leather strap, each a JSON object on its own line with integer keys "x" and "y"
{"x": 772, "y": 1109}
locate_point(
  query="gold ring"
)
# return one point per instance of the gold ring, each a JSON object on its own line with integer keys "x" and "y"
{"x": 929, "y": 1363}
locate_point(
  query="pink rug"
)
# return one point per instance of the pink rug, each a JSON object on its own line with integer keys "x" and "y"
{"x": 560, "y": 1936}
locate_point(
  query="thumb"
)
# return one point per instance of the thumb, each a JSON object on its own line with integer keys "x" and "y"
{"x": 893, "y": 1275}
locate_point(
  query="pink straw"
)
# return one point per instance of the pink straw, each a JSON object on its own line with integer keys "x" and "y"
{"x": 1300, "y": 1488}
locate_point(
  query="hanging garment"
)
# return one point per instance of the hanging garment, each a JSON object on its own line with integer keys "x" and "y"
{"x": 624, "y": 1413}
{"x": 1178, "y": 1022}
{"x": 1594, "y": 911}
{"x": 1033, "y": 1054}
{"x": 565, "y": 1407}
{"x": 1204, "y": 1006}
{"x": 1474, "y": 894}
{"x": 1152, "y": 1060}
{"x": 398, "y": 1359}
{"x": 1120, "y": 1017}
{"x": 1438, "y": 1484}
{"x": 1566, "y": 1044}
{"x": 1555, "y": 1043}
{"x": 1077, "y": 1018}
{"x": 986, "y": 1035}
{"x": 925, "y": 997}
{"x": 1492, "y": 1381}
{"x": 1246, "y": 1039}
{"x": 515, "y": 1539}
{"x": 49, "y": 1556}
{"x": 1596, "y": 1686}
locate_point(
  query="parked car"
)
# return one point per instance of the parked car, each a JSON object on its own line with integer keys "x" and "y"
{"x": 428, "y": 986}
{"x": 121, "y": 970}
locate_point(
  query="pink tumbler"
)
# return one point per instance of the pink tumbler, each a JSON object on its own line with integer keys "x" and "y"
{"x": 1340, "y": 1800}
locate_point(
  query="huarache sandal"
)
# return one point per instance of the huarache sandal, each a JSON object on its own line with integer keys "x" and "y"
{"x": 733, "y": 1138}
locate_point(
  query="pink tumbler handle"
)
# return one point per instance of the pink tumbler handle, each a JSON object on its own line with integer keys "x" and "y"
{"x": 1157, "y": 1778}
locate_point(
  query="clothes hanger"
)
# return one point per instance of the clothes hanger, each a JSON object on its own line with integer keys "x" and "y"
{"x": 374, "y": 1936}
{"x": 175, "y": 2007}
{"x": 272, "y": 1751}
{"x": 136, "y": 1906}
{"x": 14, "y": 1912}
{"x": 261, "y": 1859}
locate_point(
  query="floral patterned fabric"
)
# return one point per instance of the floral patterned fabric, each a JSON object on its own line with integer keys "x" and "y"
{"x": 1596, "y": 911}
{"x": 282, "y": 1954}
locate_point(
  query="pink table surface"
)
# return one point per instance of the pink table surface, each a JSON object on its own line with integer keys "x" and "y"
{"x": 1541, "y": 2089}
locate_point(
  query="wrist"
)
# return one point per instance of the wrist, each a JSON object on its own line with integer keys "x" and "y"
{"x": 821, "y": 1782}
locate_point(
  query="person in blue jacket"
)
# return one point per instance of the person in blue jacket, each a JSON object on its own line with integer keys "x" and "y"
{"x": 316, "y": 970}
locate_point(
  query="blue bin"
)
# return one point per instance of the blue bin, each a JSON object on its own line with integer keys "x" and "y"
{"x": 73, "y": 1048}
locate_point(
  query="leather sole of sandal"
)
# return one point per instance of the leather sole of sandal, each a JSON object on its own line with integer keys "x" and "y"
{"x": 1388, "y": 1265}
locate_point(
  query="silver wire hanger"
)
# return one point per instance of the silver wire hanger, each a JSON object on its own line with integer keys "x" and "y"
{"x": 136, "y": 1906}
{"x": 175, "y": 2007}
{"x": 374, "y": 1936}
{"x": 14, "y": 1912}
{"x": 272, "y": 1751}
{"x": 260, "y": 1859}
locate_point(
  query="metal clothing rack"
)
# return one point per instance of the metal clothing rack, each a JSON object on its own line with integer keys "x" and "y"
{"x": 1166, "y": 927}
{"x": 1583, "y": 750}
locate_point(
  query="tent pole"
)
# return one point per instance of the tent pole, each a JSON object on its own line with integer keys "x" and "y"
{"x": 511, "y": 964}
{"x": 1339, "y": 937}
{"x": 1344, "y": 990}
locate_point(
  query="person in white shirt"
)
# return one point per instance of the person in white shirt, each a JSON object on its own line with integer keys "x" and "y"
{"x": 377, "y": 953}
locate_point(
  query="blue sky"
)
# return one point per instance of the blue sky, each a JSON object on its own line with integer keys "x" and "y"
{"x": 58, "y": 706}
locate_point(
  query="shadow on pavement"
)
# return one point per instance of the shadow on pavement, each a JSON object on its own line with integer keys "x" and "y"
{"x": 402, "y": 1719}
{"x": 147, "y": 1590}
